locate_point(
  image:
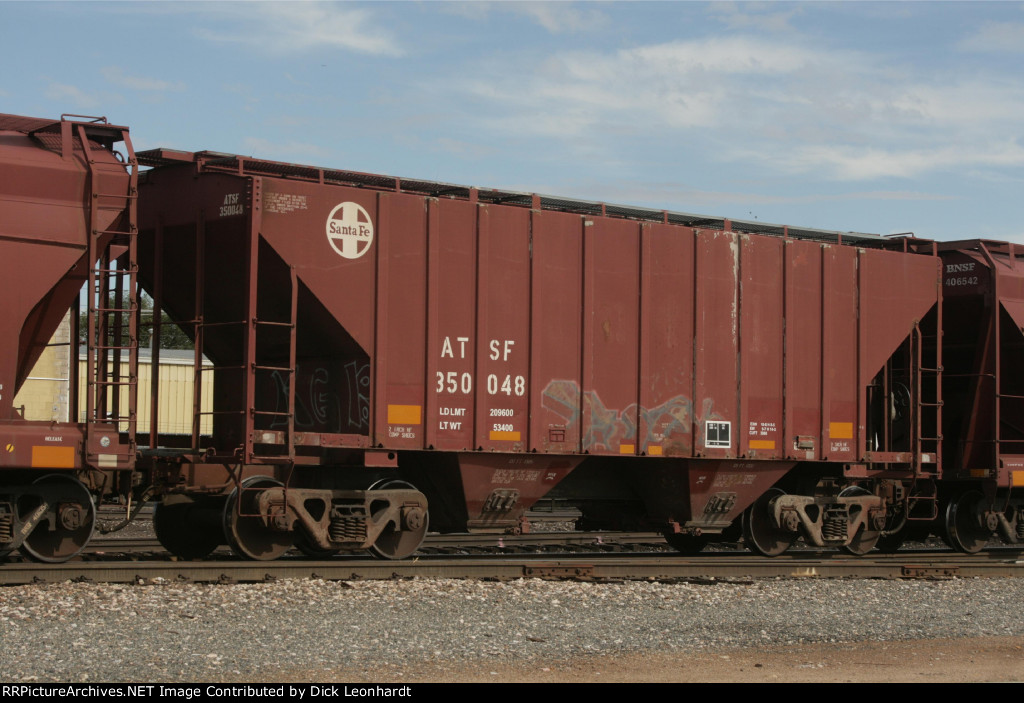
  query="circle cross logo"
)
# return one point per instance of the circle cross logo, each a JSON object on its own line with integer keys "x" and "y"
{"x": 349, "y": 230}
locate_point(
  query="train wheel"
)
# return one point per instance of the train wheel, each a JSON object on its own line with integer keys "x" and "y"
{"x": 246, "y": 532}
{"x": 686, "y": 544}
{"x": 187, "y": 529}
{"x": 394, "y": 543}
{"x": 865, "y": 539}
{"x": 863, "y": 542}
{"x": 890, "y": 544}
{"x": 760, "y": 533}
{"x": 75, "y": 516}
{"x": 963, "y": 532}
{"x": 304, "y": 545}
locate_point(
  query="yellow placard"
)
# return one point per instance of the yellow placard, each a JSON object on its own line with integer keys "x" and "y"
{"x": 405, "y": 414}
{"x": 840, "y": 430}
{"x": 53, "y": 457}
{"x": 762, "y": 444}
{"x": 505, "y": 436}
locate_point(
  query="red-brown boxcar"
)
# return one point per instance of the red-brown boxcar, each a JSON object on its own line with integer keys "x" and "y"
{"x": 485, "y": 344}
{"x": 390, "y": 355}
{"x": 67, "y": 207}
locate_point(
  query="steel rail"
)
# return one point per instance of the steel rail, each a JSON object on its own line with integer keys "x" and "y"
{"x": 437, "y": 541}
{"x": 710, "y": 567}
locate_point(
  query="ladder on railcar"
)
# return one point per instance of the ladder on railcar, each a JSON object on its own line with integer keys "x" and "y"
{"x": 927, "y": 393}
{"x": 112, "y": 322}
{"x": 273, "y": 441}
{"x": 287, "y": 374}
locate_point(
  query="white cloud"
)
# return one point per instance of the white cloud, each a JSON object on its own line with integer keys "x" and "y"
{"x": 669, "y": 88}
{"x": 791, "y": 107}
{"x": 72, "y": 94}
{"x": 759, "y": 16}
{"x": 963, "y": 104}
{"x": 117, "y": 76}
{"x": 726, "y": 55}
{"x": 677, "y": 85}
{"x": 850, "y": 163}
{"x": 681, "y": 192}
{"x": 555, "y": 17}
{"x": 995, "y": 37}
{"x": 286, "y": 27}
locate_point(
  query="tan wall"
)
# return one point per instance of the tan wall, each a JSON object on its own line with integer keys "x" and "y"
{"x": 45, "y": 393}
{"x": 175, "y": 394}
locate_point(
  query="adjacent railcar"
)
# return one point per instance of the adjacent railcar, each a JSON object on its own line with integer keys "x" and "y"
{"x": 388, "y": 356}
{"x": 67, "y": 214}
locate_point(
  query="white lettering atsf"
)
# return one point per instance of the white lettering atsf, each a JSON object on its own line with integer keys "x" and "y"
{"x": 349, "y": 230}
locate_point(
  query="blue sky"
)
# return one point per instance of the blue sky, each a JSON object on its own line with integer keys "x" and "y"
{"x": 872, "y": 117}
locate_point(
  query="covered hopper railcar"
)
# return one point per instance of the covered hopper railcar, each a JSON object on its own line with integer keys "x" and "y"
{"x": 67, "y": 215}
{"x": 388, "y": 355}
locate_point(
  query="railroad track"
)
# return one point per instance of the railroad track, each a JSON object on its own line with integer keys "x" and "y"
{"x": 448, "y": 543}
{"x": 596, "y": 566}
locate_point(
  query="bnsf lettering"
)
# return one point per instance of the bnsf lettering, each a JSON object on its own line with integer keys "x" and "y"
{"x": 959, "y": 268}
{"x": 353, "y": 230}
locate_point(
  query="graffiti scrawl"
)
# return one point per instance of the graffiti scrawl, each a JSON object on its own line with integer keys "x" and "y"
{"x": 338, "y": 404}
{"x": 605, "y": 429}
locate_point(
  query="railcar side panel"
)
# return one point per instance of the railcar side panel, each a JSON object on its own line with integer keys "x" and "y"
{"x": 665, "y": 426}
{"x": 401, "y": 321}
{"x": 503, "y": 329}
{"x": 762, "y": 328}
{"x": 716, "y": 335}
{"x": 839, "y": 353}
{"x": 307, "y": 225}
{"x": 611, "y": 334}
{"x": 556, "y": 332}
{"x": 451, "y": 324}
{"x": 468, "y": 315}
{"x": 896, "y": 292}
{"x": 803, "y": 368}
{"x": 44, "y": 234}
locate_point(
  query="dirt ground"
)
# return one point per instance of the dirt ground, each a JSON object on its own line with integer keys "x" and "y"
{"x": 967, "y": 660}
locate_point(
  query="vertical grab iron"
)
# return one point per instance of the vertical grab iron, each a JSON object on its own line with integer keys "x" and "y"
{"x": 112, "y": 314}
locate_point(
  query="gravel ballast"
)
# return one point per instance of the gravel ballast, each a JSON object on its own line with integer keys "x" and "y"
{"x": 309, "y": 630}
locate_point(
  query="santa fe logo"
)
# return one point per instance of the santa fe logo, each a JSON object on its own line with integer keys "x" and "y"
{"x": 349, "y": 230}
